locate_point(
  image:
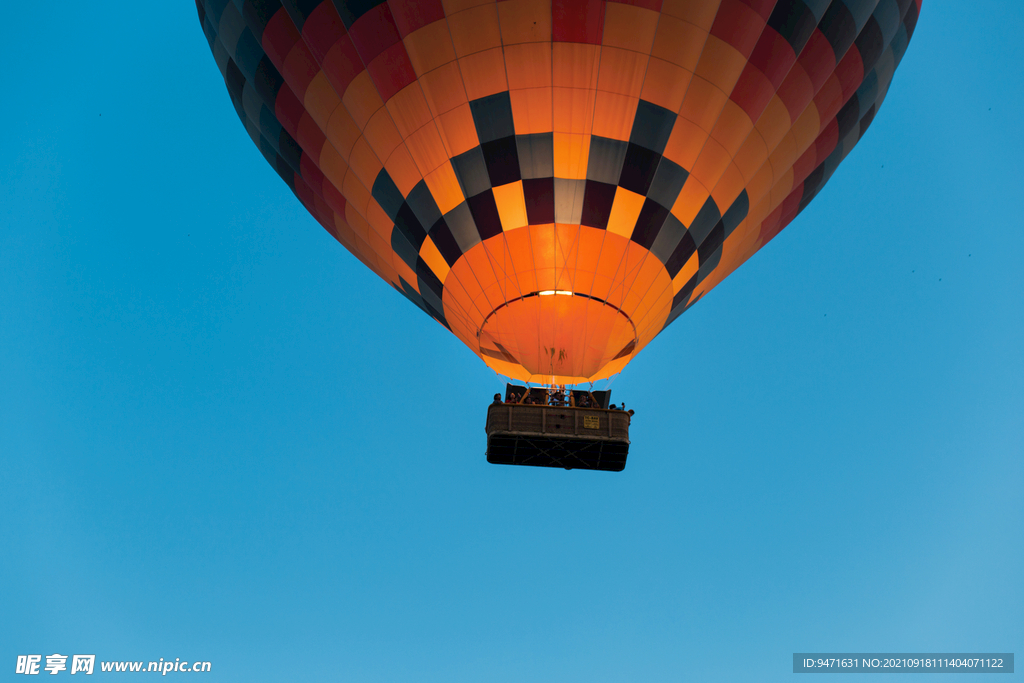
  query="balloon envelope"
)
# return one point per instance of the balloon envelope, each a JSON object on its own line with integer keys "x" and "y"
{"x": 555, "y": 181}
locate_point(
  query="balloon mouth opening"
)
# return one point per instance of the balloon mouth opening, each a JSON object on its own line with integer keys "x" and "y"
{"x": 558, "y": 332}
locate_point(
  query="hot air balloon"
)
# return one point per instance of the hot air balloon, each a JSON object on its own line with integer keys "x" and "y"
{"x": 556, "y": 181}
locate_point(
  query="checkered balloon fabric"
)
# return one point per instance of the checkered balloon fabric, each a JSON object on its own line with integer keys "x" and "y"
{"x": 555, "y": 181}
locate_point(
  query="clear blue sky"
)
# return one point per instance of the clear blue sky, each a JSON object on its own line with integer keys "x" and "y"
{"x": 222, "y": 438}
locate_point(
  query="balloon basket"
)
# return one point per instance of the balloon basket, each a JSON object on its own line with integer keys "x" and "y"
{"x": 555, "y": 436}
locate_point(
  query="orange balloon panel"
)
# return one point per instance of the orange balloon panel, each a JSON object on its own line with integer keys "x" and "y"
{"x": 555, "y": 181}
{"x": 559, "y": 302}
